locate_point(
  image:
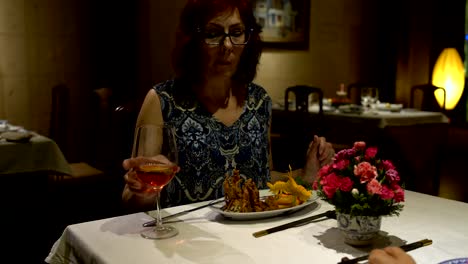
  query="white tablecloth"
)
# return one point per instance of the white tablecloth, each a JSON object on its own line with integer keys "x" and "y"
{"x": 206, "y": 237}
{"x": 40, "y": 154}
{"x": 405, "y": 117}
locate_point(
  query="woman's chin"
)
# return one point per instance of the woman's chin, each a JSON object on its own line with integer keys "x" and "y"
{"x": 223, "y": 72}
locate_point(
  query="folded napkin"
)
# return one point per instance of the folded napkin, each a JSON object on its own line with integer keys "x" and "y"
{"x": 14, "y": 136}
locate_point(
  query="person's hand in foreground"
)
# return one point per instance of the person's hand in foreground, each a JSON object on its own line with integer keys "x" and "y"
{"x": 390, "y": 255}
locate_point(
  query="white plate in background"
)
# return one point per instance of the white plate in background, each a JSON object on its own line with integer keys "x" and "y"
{"x": 389, "y": 107}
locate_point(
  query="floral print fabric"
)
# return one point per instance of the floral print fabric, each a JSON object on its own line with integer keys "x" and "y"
{"x": 209, "y": 150}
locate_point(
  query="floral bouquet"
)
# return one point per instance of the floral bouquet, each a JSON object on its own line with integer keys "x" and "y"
{"x": 358, "y": 183}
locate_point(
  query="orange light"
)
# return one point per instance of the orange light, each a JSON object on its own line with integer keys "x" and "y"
{"x": 449, "y": 74}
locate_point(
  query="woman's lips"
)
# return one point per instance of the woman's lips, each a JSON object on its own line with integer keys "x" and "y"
{"x": 224, "y": 62}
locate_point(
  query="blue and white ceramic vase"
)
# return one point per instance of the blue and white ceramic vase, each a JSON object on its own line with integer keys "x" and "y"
{"x": 358, "y": 230}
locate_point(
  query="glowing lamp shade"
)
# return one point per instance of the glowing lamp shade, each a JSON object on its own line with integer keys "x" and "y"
{"x": 449, "y": 73}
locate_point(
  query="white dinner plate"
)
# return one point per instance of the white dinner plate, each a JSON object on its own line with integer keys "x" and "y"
{"x": 389, "y": 107}
{"x": 264, "y": 214}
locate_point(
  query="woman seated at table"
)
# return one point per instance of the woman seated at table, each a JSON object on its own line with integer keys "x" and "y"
{"x": 221, "y": 118}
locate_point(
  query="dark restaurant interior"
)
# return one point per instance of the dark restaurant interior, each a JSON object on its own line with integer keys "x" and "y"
{"x": 107, "y": 54}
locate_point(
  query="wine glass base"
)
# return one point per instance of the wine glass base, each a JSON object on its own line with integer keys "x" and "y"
{"x": 161, "y": 232}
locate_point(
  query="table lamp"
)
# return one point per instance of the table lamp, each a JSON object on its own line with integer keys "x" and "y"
{"x": 449, "y": 73}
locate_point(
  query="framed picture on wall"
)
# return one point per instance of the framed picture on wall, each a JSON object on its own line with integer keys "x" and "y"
{"x": 285, "y": 23}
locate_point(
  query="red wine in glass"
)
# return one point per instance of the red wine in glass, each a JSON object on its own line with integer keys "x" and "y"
{"x": 156, "y": 152}
{"x": 156, "y": 175}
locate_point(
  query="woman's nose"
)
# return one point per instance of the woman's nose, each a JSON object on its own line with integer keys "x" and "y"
{"x": 227, "y": 43}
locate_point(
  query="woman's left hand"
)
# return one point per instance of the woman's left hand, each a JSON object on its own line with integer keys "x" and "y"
{"x": 320, "y": 153}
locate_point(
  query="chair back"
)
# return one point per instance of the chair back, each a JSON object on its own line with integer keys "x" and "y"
{"x": 295, "y": 128}
{"x": 302, "y": 93}
{"x": 427, "y": 100}
{"x": 59, "y": 117}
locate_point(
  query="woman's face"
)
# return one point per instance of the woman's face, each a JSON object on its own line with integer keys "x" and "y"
{"x": 221, "y": 55}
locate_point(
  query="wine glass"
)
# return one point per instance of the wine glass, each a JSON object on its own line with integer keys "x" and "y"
{"x": 369, "y": 97}
{"x": 155, "y": 148}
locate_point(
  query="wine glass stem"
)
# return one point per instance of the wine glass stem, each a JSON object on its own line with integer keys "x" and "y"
{"x": 158, "y": 209}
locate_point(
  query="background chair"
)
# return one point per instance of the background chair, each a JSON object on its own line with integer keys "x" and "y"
{"x": 292, "y": 131}
{"x": 59, "y": 133}
{"x": 422, "y": 98}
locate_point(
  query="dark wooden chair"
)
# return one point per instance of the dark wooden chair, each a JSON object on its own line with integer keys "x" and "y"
{"x": 292, "y": 130}
{"x": 59, "y": 124}
{"x": 426, "y": 101}
{"x": 94, "y": 188}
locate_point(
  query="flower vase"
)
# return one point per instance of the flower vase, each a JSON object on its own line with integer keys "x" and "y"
{"x": 358, "y": 230}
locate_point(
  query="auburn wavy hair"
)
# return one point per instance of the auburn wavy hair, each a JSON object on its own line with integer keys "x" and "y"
{"x": 187, "y": 55}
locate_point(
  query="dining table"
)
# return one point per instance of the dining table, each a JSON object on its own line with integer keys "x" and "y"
{"x": 39, "y": 154}
{"x": 415, "y": 140}
{"x": 208, "y": 236}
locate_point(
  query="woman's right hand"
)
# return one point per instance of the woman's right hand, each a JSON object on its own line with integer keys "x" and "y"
{"x": 136, "y": 195}
{"x": 131, "y": 179}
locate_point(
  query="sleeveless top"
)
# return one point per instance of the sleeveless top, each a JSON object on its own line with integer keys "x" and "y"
{"x": 209, "y": 150}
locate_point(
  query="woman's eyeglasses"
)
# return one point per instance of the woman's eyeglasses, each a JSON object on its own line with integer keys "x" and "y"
{"x": 216, "y": 37}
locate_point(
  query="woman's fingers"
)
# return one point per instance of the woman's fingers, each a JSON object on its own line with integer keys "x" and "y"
{"x": 378, "y": 256}
{"x": 390, "y": 255}
{"x": 132, "y": 181}
{"x": 325, "y": 149}
{"x": 131, "y": 178}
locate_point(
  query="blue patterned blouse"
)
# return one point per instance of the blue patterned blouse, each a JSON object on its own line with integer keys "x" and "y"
{"x": 208, "y": 149}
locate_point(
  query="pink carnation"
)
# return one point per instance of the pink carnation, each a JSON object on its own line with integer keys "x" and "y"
{"x": 370, "y": 153}
{"x": 330, "y": 184}
{"x": 324, "y": 171}
{"x": 388, "y": 165}
{"x": 375, "y": 179}
{"x": 315, "y": 185}
{"x": 359, "y": 145}
{"x": 392, "y": 176}
{"x": 345, "y": 154}
{"x": 346, "y": 184}
{"x": 365, "y": 171}
{"x": 386, "y": 193}
{"x": 374, "y": 187}
{"x": 399, "y": 194}
{"x": 340, "y": 165}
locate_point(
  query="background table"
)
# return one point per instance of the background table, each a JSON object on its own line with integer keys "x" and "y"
{"x": 40, "y": 154}
{"x": 414, "y": 140}
{"x": 206, "y": 237}
{"x": 28, "y": 207}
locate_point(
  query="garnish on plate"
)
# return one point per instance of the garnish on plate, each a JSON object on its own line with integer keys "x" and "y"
{"x": 289, "y": 193}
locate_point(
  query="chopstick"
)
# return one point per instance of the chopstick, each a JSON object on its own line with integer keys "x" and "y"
{"x": 329, "y": 214}
{"x": 153, "y": 222}
{"x": 407, "y": 247}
